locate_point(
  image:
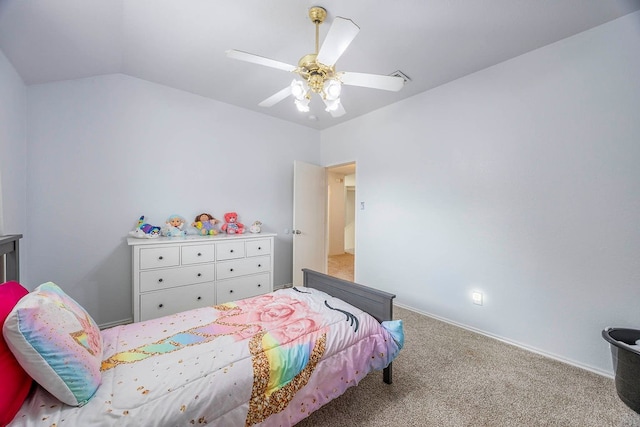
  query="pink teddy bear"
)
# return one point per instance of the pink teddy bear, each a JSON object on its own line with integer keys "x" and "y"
{"x": 231, "y": 224}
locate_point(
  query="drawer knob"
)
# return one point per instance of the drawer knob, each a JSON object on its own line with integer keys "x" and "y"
{"x": 199, "y": 274}
{"x": 160, "y": 305}
{"x": 231, "y": 291}
{"x": 259, "y": 248}
{"x": 231, "y": 251}
{"x": 259, "y": 285}
{"x": 199, "y": 298}
{"x": 160, "y": 280}
{"x": 199, "y": 254}
{"x": 160, "y": 257}
{"x": 259, "y": 265}
{"x": 231, "y": 269}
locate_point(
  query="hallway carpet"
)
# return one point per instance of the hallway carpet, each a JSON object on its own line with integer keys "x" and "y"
{"x": 341, "y": 266}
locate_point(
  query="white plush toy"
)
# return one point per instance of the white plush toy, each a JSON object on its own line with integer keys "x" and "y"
{"x": 255, "y": 227}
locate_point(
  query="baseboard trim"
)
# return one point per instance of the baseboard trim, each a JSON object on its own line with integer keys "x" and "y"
{"x": 511, "y": 342}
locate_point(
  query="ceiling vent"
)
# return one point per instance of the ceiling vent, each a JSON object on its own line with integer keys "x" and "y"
{"x": 402, "y": 75}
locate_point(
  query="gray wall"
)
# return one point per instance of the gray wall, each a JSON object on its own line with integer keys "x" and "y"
{"x": 520, "y": 181}
{"x": 13, "y": 153}
{"x": 105, "y": 150}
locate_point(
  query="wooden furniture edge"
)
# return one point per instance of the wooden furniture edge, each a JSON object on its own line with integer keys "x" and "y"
{"x": 10, "y": 254}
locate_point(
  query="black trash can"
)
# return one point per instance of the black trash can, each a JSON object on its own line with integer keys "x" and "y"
{"x": 626, "y": 363}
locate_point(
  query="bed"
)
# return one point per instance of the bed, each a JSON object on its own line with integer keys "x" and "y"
{"x": 269, "y": 360}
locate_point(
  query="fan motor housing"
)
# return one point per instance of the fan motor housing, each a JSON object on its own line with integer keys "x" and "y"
{"x": 317, "y": 14}
{"x": 314, "y": 72}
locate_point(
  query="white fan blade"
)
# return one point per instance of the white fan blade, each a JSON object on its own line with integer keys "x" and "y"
{"x": 375, "y": 81}
{"x": 338, "y": 112}
{"x": 260, "y": 60}
{"x": 339, "y": 37}
{"x": 276, "y": 97}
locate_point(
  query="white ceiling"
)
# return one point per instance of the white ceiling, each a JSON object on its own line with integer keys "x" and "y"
{"x": 182, "y": 43}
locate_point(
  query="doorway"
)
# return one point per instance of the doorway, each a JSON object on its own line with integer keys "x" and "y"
{"x": 341, "y": 221}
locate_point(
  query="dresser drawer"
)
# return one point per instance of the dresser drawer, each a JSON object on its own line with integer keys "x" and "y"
{"x": 258, "y": 247}
{"x": 152, "y": 280}
{"x": 171, "y": 275}
{"x": 195, "y": 254}
{"x": 241, "y": 267}
{"x": 229, "y": 250}
{"x": 171, "y": 301}
{"x": 159, "y": 257}
{"x": 242, "y": 287}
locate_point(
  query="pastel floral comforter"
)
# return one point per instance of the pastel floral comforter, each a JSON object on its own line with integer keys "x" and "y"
{"x": 269, "y": 360}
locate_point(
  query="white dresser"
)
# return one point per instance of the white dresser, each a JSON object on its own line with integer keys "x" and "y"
{"x": 173, "y": 274}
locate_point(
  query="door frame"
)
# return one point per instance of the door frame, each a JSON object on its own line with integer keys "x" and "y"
{"x": 323, "y": 192}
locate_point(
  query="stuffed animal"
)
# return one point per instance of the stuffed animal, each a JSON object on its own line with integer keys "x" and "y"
{"x": 144, "y": 230}
{"x": 255, "y": 227}
{"x": 231, "y": 224}
{"x": 174, "y": 226}
{"x": 205, "y": 223}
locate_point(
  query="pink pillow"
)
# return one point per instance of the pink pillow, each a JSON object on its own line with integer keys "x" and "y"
{"x": 15, "y": 381}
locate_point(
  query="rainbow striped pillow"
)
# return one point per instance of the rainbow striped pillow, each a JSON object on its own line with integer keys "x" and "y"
{"x": 57, "y": 343}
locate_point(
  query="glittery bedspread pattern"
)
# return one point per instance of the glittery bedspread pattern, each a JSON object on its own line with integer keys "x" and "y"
{"x": 269, "y": 360}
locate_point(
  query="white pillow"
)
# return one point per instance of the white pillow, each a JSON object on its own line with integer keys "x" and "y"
{"x": 57, "y": 343}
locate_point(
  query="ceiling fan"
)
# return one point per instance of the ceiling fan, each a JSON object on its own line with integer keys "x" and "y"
{"x": 317, "y": 70}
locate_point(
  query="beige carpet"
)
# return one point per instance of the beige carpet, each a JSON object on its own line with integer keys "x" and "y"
{"x": 448, "y": 376}
{"x": 341, "y": 266}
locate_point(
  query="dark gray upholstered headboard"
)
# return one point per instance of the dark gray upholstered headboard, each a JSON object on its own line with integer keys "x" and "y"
{"x": 377, "y": 303}
{"x": 10, "y": 256}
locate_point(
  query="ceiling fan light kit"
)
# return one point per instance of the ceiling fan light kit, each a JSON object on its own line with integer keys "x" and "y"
{"x": 302, "y": 104}
{"x": 317, "y": 70}
{"x": 298, "y": 89}
{"x": 332, "y": 90}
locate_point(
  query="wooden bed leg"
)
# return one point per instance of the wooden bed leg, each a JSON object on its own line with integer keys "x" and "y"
{"x": 386, "y": 374}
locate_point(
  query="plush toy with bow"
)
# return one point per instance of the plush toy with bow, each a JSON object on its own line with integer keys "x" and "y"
{"x": 231, "y": 224}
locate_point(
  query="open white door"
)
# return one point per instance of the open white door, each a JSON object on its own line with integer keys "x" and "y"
{"x": 309, "y": 214}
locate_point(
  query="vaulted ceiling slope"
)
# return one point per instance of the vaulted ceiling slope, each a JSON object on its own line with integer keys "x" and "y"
{"x": 182, "y": 44}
